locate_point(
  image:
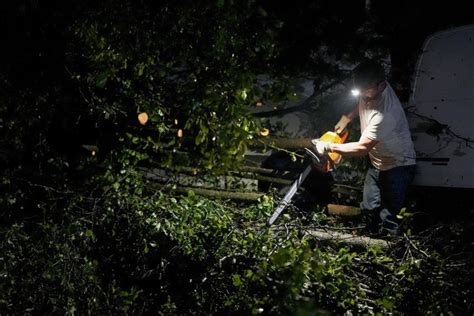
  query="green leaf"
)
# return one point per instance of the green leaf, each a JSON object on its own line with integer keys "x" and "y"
{"x": 243, "y": 94}
{"x": 201, "y": 136}
{"x": 386, "y": 303}
{"x": 102, "y": 78}
{"x": 236, "y": 280}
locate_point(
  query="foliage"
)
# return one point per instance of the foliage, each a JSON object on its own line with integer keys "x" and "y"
{"x": 129, "y": 249}
{"x": 196, "y": 70}
{"x": 190, "y": 74}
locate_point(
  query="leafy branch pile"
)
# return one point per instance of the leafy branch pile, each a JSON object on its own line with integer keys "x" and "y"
{"x": 128, "y": 249}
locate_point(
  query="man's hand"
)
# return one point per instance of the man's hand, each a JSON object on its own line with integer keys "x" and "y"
{"x": 322, "y": 148}
{"x": 342, "y": 124}
{"x": 322, "y": 161}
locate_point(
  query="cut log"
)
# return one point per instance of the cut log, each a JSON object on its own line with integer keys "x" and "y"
{"x": 348, "y": 239}
{"x": 343, "y": 210}
{"x": 271, "y": 179}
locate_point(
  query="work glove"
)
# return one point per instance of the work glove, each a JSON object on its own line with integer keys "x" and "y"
{"x": 320, "y": 157}
{"x": 321, "y": 147}
{"x": 342, "y": 124}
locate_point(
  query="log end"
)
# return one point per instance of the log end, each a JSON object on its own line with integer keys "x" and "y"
{"x": 343, "y": 210}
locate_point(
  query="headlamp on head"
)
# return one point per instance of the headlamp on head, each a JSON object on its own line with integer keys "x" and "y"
{"x": 355, "y": 92}
{"x": 367, "y": 74}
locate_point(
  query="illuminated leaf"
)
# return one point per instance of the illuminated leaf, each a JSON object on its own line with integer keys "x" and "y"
{"x": 264, "y": 132}
{"x": 143, "y": 118}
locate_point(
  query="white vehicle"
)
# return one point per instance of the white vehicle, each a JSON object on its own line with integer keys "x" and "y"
{"x": 441, "y": 110}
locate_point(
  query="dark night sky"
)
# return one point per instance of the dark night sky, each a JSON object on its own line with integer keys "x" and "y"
{"x": 33, "y": 38}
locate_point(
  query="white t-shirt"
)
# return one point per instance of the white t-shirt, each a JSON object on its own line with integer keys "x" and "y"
{"x": 384, "y": 120}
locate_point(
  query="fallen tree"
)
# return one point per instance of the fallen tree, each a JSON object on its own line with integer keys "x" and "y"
{"x": 221, "y": 194}
{"x": 325, "y": 234}
{"x": 347, "y": 239}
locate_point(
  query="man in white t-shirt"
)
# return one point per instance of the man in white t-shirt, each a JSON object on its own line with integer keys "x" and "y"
{"x": 385, "y": 138}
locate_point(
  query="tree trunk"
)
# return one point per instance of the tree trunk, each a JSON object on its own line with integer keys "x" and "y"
{"x": 284, "y": 143}
{"x": 242, "y": 196}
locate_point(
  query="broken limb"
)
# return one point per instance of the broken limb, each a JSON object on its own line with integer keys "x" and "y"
{"x": 348, "y": 238}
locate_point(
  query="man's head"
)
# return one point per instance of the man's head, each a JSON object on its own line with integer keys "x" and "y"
{"x": 369, "y": 79}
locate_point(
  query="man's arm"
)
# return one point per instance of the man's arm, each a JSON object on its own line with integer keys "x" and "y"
{"x": 354, "y": 113}
{"x": 346, "y": 119}
{"x": 360, "y": 148}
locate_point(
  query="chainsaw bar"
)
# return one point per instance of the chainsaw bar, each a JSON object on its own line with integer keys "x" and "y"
{"x": 289, "y": 195}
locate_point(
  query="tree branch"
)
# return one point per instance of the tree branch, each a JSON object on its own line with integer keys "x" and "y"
{"x": 309, "y": 102}
{"x": 348, "y": 239}
{"x": 242, "y": 196}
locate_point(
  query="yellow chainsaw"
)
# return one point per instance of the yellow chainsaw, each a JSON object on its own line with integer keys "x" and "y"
{"x": 328, "y": 162}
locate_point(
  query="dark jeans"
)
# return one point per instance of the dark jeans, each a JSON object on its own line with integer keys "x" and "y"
{"x": 384, "y": 192}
